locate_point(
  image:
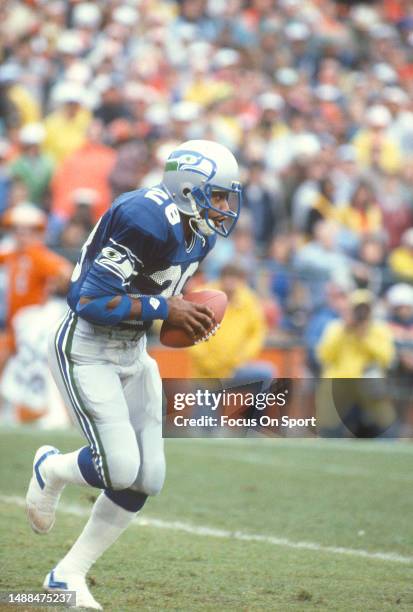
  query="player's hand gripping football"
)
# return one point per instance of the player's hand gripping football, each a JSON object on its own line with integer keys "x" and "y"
{"x": 196, "y": 319}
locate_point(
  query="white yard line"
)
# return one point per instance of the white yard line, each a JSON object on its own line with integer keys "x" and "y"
{"x": 200, "y": 530}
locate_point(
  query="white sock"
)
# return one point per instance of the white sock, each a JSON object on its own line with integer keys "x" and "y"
{"x": 63, "y": 469}
{"x": 106, "y": 523}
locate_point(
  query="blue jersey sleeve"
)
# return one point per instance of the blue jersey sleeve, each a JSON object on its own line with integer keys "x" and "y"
{"x": 135, "y": 237}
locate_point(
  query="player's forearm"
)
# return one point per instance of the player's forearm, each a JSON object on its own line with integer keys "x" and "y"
{"x": 111, "y": 310}
{"x": 136, "y": 307}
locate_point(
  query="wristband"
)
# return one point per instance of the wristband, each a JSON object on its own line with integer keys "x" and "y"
{"x": 153, "y": 307}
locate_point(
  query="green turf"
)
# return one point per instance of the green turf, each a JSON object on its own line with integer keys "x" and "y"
{"x": 336, "y": 494}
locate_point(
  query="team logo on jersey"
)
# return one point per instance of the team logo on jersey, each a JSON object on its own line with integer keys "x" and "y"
{"x": 191, "y": 161}
{"x": 119, "y": 260}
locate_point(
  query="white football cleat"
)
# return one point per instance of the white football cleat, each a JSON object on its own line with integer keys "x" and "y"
{"x": 56, "y": 582}
{"x": 42, "y": 496}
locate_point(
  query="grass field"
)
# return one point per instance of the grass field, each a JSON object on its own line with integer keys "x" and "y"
{"x": 240, "y": 525}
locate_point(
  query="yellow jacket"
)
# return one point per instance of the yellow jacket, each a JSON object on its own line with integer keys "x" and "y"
{"x": 390, "y": 157}
{"x": 401, "y": 262}
{"x": 64, "y": 135}
{"x": 358, "y": 222}
{"x": 27, "y": 105}
{"x": 345, "y": 353}
{"x": 239, "y": 339}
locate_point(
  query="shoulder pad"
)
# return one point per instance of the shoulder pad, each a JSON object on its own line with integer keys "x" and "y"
{"x": 150, "y": 211}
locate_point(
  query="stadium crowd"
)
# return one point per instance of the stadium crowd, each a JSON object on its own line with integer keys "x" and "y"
{"x": 314, "y": 98}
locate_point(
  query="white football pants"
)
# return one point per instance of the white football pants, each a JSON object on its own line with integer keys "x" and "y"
{"x": 114, "y": 390}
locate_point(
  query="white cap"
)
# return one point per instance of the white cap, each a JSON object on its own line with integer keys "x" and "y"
{"x": 66, "y": 92}
{"x": 84, "y": 195}
{"x": 364, "y": 16}
{"x": 86, "y": 14}
{"x": 125, "y": 15}
{"x": 327, "y": 93}
{"x": 306, "y": 144}
{"x": 187, "y": 32}
{"x": 70, "y": 42}
{"x": 216, "y": 8}
{"x": 396, "y": 95}
{"x": 32, "y": 133}
{"x": 270, "y": 101}
{"x": 287, "y": 76}
{"x": 297, "y": 30}
{"x": 400, "y": 295}
{"x": 135, "y": 91}
{"x": 385, "y": 73}
{"x": 225, "y": 57}
{"x": 185, "y": 111}
{"x": 26, "y": 214}
{"x": 79, "y": 72}
{"x": 378, "y": 115}
{"x": 157, "y": 114}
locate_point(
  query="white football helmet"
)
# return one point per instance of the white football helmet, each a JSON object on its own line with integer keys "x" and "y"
{"x": 193, "y": 171}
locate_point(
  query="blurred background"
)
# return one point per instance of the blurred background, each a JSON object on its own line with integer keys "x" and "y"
{"x": 314, "y": 97}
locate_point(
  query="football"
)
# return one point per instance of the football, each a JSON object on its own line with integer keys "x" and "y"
{"x": 176, "y": 337}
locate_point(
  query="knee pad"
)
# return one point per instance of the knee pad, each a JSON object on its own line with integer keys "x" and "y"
{"x": 123, "y": 470}
{"x": 129, "y": 500}
{"x": 152, "y": 477}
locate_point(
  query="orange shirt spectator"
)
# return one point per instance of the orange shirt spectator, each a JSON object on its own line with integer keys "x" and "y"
{"x": 88, "y": 167}
{"x": 31, "y": 266}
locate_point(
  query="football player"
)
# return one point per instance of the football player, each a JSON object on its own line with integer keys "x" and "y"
{"x": 131, "y": 271}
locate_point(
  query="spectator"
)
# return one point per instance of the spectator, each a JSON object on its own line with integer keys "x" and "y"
{"x": 319, "y": 261}
{"x": 32, "y": 167}
{"x": 67, "y": 126}
{"x": 89, "y": 167}
{"x": 335, "y": 307}
{"x": 10, "y": 117}
{"x": 233, "y": 351}
{"x": 112, "y": 105}
{"x": 27, "y": 106}
{"x": 131, "y": 158}
{"x": 32, "y": 268}
{"x": 323, "y": 206}
{"x": 401, "y": 258}
{"x": 400, "y": 303}
{"x": 354, "y": 348}
{"x": 265, "y": 206}
{"x": 395, "y": 198}
{"x": 374, "y": 147}
{"x": 369, "y": 269}
{"x": 239, "y": 248}
{"x": 362, "y": 215}
{"x": 351, "y": 346}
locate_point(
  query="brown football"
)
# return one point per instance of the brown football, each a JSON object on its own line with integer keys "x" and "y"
{"x": 176, "y": 337}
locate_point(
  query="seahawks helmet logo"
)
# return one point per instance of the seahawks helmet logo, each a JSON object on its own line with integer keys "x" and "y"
{"x": 192, "y": 162}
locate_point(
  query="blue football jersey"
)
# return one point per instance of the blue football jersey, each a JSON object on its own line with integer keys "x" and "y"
{"x": 137, "y": 248}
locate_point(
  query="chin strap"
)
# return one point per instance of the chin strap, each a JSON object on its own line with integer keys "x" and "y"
{"x": 194, "y": 227}
{"x": 197, "y": 224}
